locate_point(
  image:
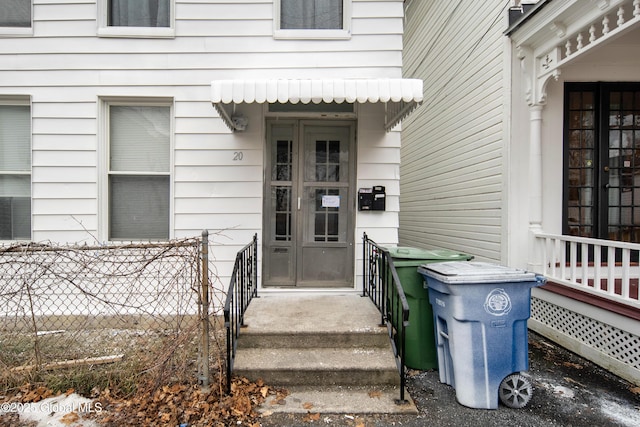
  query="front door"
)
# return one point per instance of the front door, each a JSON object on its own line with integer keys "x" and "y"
{"x": 309, "y": 204}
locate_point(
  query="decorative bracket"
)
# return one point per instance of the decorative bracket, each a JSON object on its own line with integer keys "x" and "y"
{"x": 537, "y": 72}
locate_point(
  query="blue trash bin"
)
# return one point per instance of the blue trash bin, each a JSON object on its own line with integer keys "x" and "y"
{"x": 480, "y": 322}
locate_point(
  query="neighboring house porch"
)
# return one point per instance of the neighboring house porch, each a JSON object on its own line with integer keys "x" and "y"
{"x": 578, "y": 137}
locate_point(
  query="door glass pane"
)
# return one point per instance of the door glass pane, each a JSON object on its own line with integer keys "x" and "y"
{"x": 327, "y": 210}
{"x": 281, "y": 207}
{"x": 580, "y": 213}
{"x": 623, "y": 176}
{"x": 282, "y": 153}
{"x": 282, "y": 167}
{"x": 327, "y": 160}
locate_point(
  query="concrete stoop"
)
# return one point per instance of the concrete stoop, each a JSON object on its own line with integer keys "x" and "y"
{"x": 329, "y": 352}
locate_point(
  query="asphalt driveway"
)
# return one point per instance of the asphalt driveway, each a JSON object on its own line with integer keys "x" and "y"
{"x": 568, "y": 391}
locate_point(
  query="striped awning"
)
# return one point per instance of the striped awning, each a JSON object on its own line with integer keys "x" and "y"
{"x": 401, "y": 96}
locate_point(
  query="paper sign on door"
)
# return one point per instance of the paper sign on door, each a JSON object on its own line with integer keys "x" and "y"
{"x": 330, "y": 201}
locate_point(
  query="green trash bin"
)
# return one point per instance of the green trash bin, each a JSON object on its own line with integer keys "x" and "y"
{"x": 420, "y": 347}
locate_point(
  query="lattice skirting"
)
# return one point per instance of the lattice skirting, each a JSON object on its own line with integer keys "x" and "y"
{"x": 590, "y": 332}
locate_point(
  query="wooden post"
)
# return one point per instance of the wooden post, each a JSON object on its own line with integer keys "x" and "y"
{"x": 204, "y": 343}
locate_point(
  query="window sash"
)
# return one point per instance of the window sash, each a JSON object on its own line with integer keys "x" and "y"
{"x": 15, "y": 13}
{"x": 138, "y": 179}
{"x": 15, "y": 172}
{"x": 139, "y": 138}
{"x": 138, "y": 207}
{"x": 311, "y": 14}
{"x": 15, "y": 137}
{"x": 139, "y": 13}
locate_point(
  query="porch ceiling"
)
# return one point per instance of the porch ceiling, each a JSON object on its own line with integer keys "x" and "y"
{"x": 401, "y": 96}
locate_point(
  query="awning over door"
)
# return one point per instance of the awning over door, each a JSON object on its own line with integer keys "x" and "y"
{"x": 401, "y": 96}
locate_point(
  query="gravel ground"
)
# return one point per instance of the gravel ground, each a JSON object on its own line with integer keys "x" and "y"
{"x": 568, "y": 391}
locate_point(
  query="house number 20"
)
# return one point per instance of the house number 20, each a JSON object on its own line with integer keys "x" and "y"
{"x": 237, "y": 155}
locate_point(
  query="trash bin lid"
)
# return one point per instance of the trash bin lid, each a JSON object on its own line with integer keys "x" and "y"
{"x": 405, "y": 252}
{"x": 457, "y": 272}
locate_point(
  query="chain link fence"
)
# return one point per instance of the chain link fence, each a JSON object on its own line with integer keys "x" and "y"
{"x": 137, "y": 306}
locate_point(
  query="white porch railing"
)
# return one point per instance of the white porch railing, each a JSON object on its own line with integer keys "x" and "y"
{"x": 604, "y": 268}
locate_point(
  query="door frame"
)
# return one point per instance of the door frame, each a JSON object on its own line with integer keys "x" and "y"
{"x": 299, "y": 124}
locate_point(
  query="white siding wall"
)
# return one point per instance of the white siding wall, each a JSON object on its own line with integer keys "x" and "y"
{"x": 66, "y": 70}
{"x": 452, "y": 161}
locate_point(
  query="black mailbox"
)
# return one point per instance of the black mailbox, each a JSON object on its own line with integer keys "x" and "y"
{"x": 372, "y": 199}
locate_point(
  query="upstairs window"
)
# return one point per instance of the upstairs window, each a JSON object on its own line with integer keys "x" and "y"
{"x": 15, "y": 17}
{"x": 15, "y": 172}
{"x": 311, "y": 15}
{"x": 312, "y": 18}
{"x": 136, "y": 18}
{"x": 138, "y": 13}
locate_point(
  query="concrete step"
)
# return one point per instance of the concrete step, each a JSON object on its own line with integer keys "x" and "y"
{"x": 252, "y": 338}
{"x": 340, "y": 400}
{"x": 318, "y": 366}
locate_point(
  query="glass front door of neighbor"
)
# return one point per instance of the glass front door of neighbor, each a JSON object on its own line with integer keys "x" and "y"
{"x": 309, "y": 204}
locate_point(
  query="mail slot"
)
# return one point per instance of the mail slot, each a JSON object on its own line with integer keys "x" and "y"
{"x": 372, "y": 199}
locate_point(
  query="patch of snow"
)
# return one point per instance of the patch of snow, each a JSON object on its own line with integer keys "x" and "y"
{"x": 563, "y": 392}
{"x": 60, "y": 411}
{"x": 624, "y": 415}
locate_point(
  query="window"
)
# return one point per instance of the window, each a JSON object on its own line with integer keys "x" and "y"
{"x": 602, "y": 161}
{"x": 15, "y": 17}
{"x": 139, "y": 172}
{"x": 138, "y": 13}
{"x": 312, "y": 18}
{"x": 15, "y": 172}
{"x": 137, "y": 18}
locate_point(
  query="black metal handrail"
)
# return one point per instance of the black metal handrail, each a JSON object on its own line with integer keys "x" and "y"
{"x": 242, "y": 289}
{"x": 382, "y": 285}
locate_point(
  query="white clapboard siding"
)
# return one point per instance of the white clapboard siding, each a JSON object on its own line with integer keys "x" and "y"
{"x": 452, "y": 154}
{"x": 67, "y": 70}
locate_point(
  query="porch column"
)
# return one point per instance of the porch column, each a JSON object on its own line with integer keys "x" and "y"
{"x": 535, "y": 184}
{"x": 535, "y": 167}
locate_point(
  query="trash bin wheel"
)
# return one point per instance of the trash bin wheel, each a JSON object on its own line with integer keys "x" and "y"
{"x": 515, "y": 391}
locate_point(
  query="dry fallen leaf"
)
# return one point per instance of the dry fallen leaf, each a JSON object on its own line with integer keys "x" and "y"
{"x": 264, "y": 391}
{"x": 572, "y": 365}
{"x": 69, "y": 418}
{"x": 375, "y": 393}
{"x": 311, "y": 417}
{"x": 635, "y": 390}
{"x": 307, "y": 405}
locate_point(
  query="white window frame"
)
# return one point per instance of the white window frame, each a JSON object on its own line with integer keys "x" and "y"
{"x": 103, "y": 153}
{"x": 104, "y": 30}
{"x": 24, "y": 101}
{"x": 18, "y": 31}
{"x": 344, "y": 33}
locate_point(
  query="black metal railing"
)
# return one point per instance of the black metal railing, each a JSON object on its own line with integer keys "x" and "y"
{"x": 243, "y": 287}
{"x": 382, "y": 285}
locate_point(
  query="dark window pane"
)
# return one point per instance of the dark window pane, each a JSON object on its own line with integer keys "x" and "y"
{"x": 15, "y": 13}
{"x": 310, "y": 14}
{"x": 138, "y": 207}
{"x": 139, "y": 13}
